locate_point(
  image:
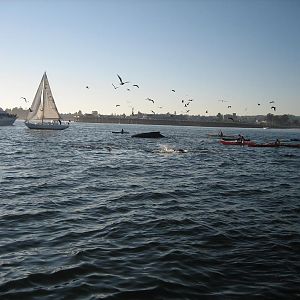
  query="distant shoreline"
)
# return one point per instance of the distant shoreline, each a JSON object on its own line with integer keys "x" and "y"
{"x": 181, "y": 123}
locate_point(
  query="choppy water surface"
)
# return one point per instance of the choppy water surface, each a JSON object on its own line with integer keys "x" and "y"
{"x": 143, "y": 221}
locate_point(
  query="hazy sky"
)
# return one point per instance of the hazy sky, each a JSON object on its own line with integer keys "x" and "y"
{"x": 243, "y": 51}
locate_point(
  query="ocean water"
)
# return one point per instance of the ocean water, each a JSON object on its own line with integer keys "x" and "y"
{"x": 88, "y": 214}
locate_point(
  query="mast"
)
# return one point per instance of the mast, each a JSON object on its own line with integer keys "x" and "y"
{"x": 44, "y": 93}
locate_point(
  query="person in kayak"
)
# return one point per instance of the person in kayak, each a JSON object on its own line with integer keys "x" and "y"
{"x": 240, "y": 138}
{"x": 277, "y": 142}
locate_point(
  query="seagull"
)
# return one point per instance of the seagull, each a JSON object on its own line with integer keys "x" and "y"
{"x": 229, "y": 106}
{"x": 136, "y": 85}
{"x": 24, "y": 99}
{"x": 117, "y": 105}
{"x": 150, "y": 100}
{"x": 187, "y": 111}
{"x": 153, "y": 111}
{"x": 115, "y": 87}
{"x": 173, "y": 91}
{"x": 230, "y": 118}
{"x": 273, "y": 107}
{"x": 121, "y": 81}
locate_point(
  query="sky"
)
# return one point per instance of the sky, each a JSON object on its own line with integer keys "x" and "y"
{"x": 240, "y": 51}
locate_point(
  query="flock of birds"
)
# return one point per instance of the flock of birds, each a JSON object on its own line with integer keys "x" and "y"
{"x": 185, "y": 103}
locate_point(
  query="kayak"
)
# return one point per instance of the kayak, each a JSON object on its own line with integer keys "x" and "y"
{"x": 290, "y": 145}
{"x": 236, "y": 142}
{"x": 233, "y": 139}
{"x": 272, "y": 145}
{"x": 264, "y": 145}
{"x": 219, "y": 136}
{"x": 122, "y": 132}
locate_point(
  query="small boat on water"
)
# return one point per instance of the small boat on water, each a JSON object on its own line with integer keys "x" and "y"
{"x": 275, "y": 145}
{"x": 268, "y": 145}
{"x": 43, "y": 113}
{"x": 151, "y": 135}
{"x": 237, "y": 142}
{"x": 6, "y": 119}
{"x": 290, "y": 145}
{"x": 221, "y": 136}
{"x": 122, "y": 131}
{"x": 234, "y": 138}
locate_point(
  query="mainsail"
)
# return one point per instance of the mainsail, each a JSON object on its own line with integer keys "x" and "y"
{"x": 43, "y": 106}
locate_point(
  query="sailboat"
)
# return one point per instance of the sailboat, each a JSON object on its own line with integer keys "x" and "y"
{"x": 43, "y": 113}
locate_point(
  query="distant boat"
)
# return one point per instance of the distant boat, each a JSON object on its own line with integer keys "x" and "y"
{"x": 6, "y": 119}
{"x": 237, "y": 142}
{"x": 122, "y": 131}
{"x": 43, "y": 113}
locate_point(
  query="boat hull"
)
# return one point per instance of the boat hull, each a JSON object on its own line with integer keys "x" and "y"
{"x": 219, "y": 136}
{"x": 275, "y": 145}
{"x": 46, "y": 126}
{"x": 264, "y": 145}
{"x": 237, "y": 143}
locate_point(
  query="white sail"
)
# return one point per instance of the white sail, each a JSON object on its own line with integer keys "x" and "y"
{"x": 43, "y": 113}
{"x": 50, "y": 109}
{"x": 36, "y": 110}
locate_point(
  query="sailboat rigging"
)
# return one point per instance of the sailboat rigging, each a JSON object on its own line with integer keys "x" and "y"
{"x": 43, "y": 113}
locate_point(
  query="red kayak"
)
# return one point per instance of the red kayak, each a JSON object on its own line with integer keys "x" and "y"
{"x": 236, "y": 142}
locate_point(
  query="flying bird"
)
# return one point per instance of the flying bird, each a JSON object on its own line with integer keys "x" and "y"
{"x": 136, "y": 85}
{"x": 173, "y": 91}
{"x": 115, "y": 87}
{"x": 258, "y": 103}
{"x": 150, "y": 100}
{"x": 128, "y": 89}
{"x": 153, "y": 111}
{"x": 206, "y": 111}
{"x": 229, "y": 106}
{"x": 24, "y": 99}
{"x": 222, "y": 100}
{"x": 117, "y": 105}
{"x": 121, "y": 81}
{"x": 271, "y": 101}
{"x": 273, "y": 107}
{"x": 87, "y": 87}
{"x": 187, "y": 111}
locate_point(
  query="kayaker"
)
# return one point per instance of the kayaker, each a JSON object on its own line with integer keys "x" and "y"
{"x": 240, "y": 138}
